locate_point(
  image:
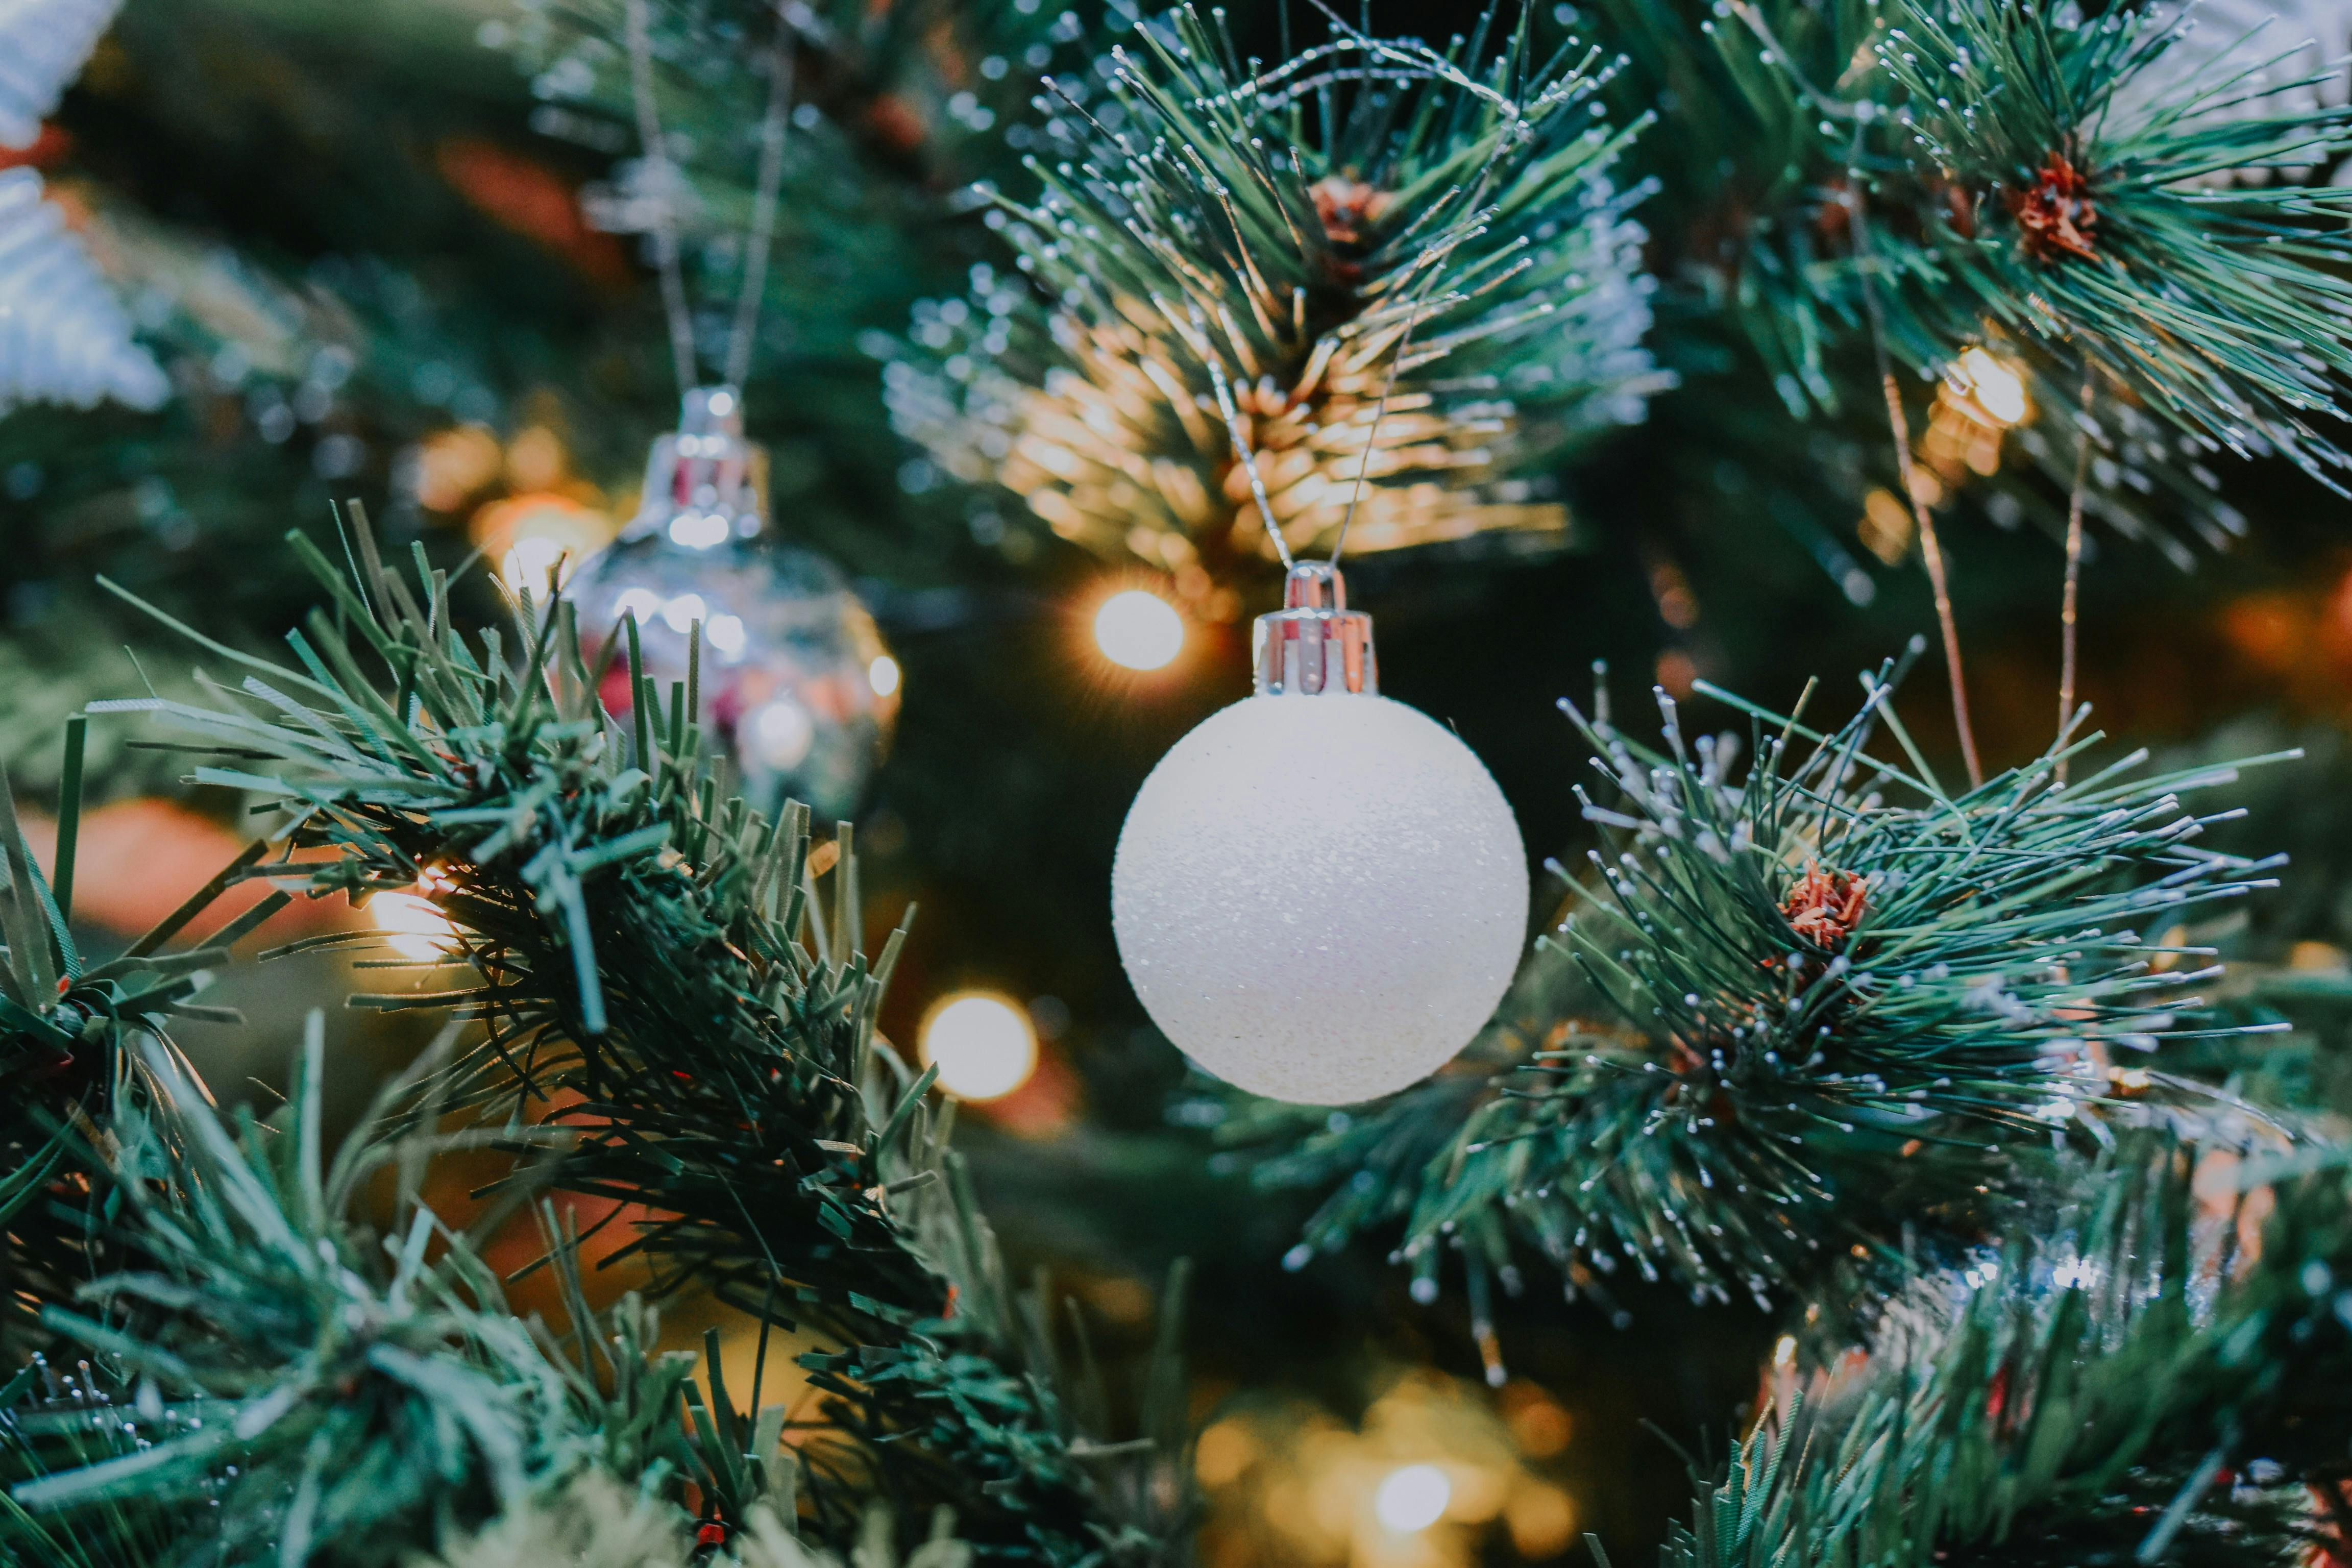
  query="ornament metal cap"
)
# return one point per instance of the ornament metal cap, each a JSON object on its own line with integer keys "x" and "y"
{"x": 703, "y": 481}
{"x": 1315, "y": 645}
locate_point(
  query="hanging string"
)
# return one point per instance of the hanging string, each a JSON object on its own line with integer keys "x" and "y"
{"x": 2067, "y": 609}
{"x": 763, "y": 208}
{"x": 1379, "y": 411}
{"x": 1226, "y": 407}
{"x": 1930, "y": 548}
{"x": 666, "y": 177}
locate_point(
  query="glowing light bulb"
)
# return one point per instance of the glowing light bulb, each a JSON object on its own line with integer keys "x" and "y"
{"x": 882, "y": 675}
{"x": 1413, "y": 1498}
{"x": 412, "y": 924}
{"x": 1998, "y": 389}
{"x": 982, "y": 1042}
{"x": 528, "y": 561}
{"x": 1138, "y": 630}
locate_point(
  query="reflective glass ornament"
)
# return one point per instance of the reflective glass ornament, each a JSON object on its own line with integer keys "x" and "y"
{"x": 795, "y": 684}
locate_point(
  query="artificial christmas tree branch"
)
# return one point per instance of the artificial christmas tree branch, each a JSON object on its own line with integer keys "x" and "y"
{"x": 281, "y": 1373}
{"x": 654, "y": 976}
{"x": 1378, "y": 236}
{"x": 2134, "y": 1383}
{"x": 1815, "y": 1007}
{"x": 1983, "y": 124}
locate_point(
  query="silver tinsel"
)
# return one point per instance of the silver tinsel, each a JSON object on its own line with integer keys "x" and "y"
{"x": 64, "y": 337}
{"x": 43, "y": 44}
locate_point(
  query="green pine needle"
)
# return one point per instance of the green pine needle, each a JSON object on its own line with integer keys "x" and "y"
{"x": 2133, "y": 1386}
{"x": 2216, "y": 302}
{"x": 652, "y": 971}
{"x": 1814, "y": 1008}
{"x": 1401, "y": 277}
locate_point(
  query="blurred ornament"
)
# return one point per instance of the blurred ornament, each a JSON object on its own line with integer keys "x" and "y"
{"x": 795, "y": 682}
{"x": 1137, "y": 629}
{"x": 43, "y": 46}
{"x": 64, "y": 338}
{"x": 983, "y": 1043}
{"x": 530, "y": 535}
{"x": 1320, "y": 893}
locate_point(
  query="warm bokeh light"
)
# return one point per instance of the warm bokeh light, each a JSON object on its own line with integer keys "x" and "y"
{"x": 1997, "y": 388}
{"x": 450, "y": 466}
{"x": 530, "y": 535}
{"x": 1412, "y": 1497}
{"x": 882, "y": 675}
{"x": 412, "y": 924}
{"x": 982, "y": 1042}
{"x": 1433, "y": 1472}
{"x": 1138, "y": 630}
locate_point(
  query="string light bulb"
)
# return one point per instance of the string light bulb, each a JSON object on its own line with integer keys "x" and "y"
{"x": 1413, "y": 1498}
{"x": 1995, "y": 387}
{"x": 412, "y": 924}
{"x": 1137, "y": 629}
{"x": 982, "y": 1042}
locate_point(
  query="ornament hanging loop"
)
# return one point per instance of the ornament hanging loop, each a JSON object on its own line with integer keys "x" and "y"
{"x": 1315, "y": 645}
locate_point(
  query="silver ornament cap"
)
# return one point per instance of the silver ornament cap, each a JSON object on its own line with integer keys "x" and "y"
{"x": 1315, "y": 645}
{"x": 703, "y": 481}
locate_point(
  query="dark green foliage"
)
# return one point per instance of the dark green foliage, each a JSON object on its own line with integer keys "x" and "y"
{"x": 655, "y": 979}
{"x": 293, "y": 1371}
{"x": 334, "y": 1391}
{"x": 1859, "y": 150}
{"x": 1749, "y": 235}
{"x": 70, "y": 1053}
{"x": 2214, "y": 303}
{"x": 1816, "y": 1006}
{"x": 1375, "y": 263}
{"x": 2132, "y": 1386}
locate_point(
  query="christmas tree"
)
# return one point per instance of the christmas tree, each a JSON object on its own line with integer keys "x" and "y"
{"x": 704, "y": 858}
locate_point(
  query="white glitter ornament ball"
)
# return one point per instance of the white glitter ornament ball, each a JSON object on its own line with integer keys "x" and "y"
{"x": 1319, "y": 898}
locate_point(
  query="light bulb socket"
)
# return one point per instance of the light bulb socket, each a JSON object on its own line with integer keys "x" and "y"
{"x": 1315, "y": 645}
{"x": 705, "y": 470}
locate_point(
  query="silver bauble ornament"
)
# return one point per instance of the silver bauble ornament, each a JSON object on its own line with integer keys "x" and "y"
{"x": 795, "y": 682}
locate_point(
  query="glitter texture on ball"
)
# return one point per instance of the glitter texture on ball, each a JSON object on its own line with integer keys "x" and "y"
{"x": 1319, "y": 899}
